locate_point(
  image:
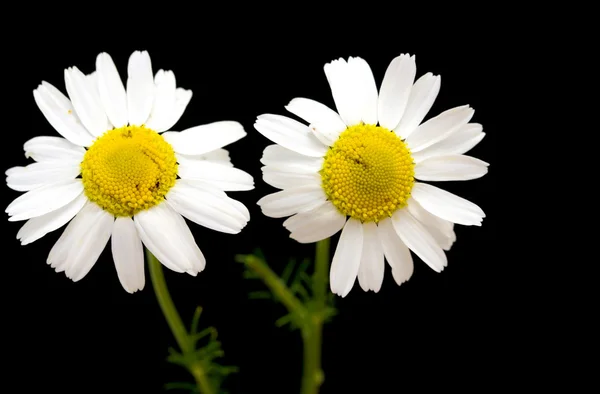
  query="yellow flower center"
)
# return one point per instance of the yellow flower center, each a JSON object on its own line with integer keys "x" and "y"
{"x": 368, "y": 173}
{"x": 128, "y": 170}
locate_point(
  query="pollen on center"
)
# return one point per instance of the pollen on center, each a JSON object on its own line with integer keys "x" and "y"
{"x": 128, "y": 170}
{"x": 368, "y": 173}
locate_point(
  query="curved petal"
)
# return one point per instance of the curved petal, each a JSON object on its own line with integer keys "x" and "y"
{"x": 290, "y": 201}
{"x": 277, "y": 156}
{"x": 346, "y": 260}
{"x": 182, "y": 99}
{"x": 372, "y": 264}
{"x": 319, "y": 223}
{"x": 165, "y": 89}
{"x": 286, "y": 169}
{"x": 290, "y": 134}
{"x": 59, "y": 112}
{"x": 206, "y": 138}
{"x": 217, "y": 156}
{"x": 43, "y": 200}
{"x": 420, "y": 101}
{"x": 211, "y": 209}
{"x": 417, "y": 238}
{"x": 343, "y": 91}
{"x": 458, "y": 143}
{"x": 39, "y": 174}
{"x": 439, "y": 128}
{"x": 353, "y": 89}
{"x": 365, "y": 89}
{"x": 80, "y": 245}
{"x": 128, "y": 254}
{"x": 140, "y": 88}
{"x": 167, "y": 236}
{"x": 450, "y": 168}
{"x": 220, "y": 175}
{"x": 86, "y": 102}
{"x": 324, "y": 122}
{"x": 396, "y": 253}
{"x": 447, "y": 205}
{"x": 220, "y": 156}
{"x": 111, "y": 90}
{"x": 441, "y": 230}
{"x": 52, "y": 149}
{"x": 395, "y": 90}
{"x": 36, "y": 228}
{"x": 206, "y": 187}
{"x": 285, "y": 180}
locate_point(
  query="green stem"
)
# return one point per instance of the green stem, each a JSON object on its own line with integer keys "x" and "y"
{"x": 274, "y": 283}
{"x": 313, "y": 376}
{"x": 174, "y": 321}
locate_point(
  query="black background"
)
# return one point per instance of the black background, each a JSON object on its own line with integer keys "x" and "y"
{"x": 434, "y": 330}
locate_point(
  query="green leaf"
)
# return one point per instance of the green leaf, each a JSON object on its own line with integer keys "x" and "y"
{"x": 288, "y": 270}
{"x": 195, "y": 320}
{"x": 182, "y": 386}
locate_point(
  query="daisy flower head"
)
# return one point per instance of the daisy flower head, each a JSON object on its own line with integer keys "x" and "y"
{"x": 120, "y": 175}
{"x": 360, "y": 170}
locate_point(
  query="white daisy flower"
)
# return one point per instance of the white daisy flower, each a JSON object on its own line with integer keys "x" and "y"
{"x": 117, "y": 177}
{"x": 355, "y": 171}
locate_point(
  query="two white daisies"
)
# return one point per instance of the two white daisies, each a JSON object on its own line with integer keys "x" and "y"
{"x": 119, "y": 173}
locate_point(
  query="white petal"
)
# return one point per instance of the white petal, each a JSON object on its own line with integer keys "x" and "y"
{"x": 290, "y": 134}
{"x": 206, "y": 187}
{"x": 80, "y": 245}
{"x": 285, "y": 168}
{"x": 51, "y": 149}
{"x": 458, "y": 143}
{"x": 316, "y": 224}
{"x": 140, "y": 88}
{"x": 396, "y": 253}
{"x": 395, "y": 90}
{"x": 324, "y": 122}
{"x": 450, "y": 168}
{"x": 164, "y": 101}
{"x": 365, "y": 89}
{"x": 285, "y": 179}
{"x": 446, "y": 205}
{"x": 346, "y": 260}
{"x": 418, "y": 239}
{"x": 290, "y": 201}
{"x": 207, "y": 207}
{"x": 441, "y": 230}
{"x": 217, "y": 155}
{"x": 39, "y": 174}
{"x": 220, "y": 175}
{"x": 353, "y": 89}
{"x": 60, "y": 113}
{"x": 422, "y": 96}
{"x": 372, "y": 265}
{"x": 277, "y": 156}
{"x": 92, "y": 82}
{"x": 206, "y": 138}
{"x": 43, "y": 200}
{"x": 128, "y": 254}
{"x": 86, "y": 102}
{"x": 111, "y": 90}
{"x": 182, "y": 99}
{"x": 440, "y": 127}
{"x": 343, "y": 91}
{"x": 220, "y": 156}
{"x": 167, "y": 236}
{"x": 37, "y": 227}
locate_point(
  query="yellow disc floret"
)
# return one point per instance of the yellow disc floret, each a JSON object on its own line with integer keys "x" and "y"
{"x": 128, "y": 170}
{"x": 368, "y": 173}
